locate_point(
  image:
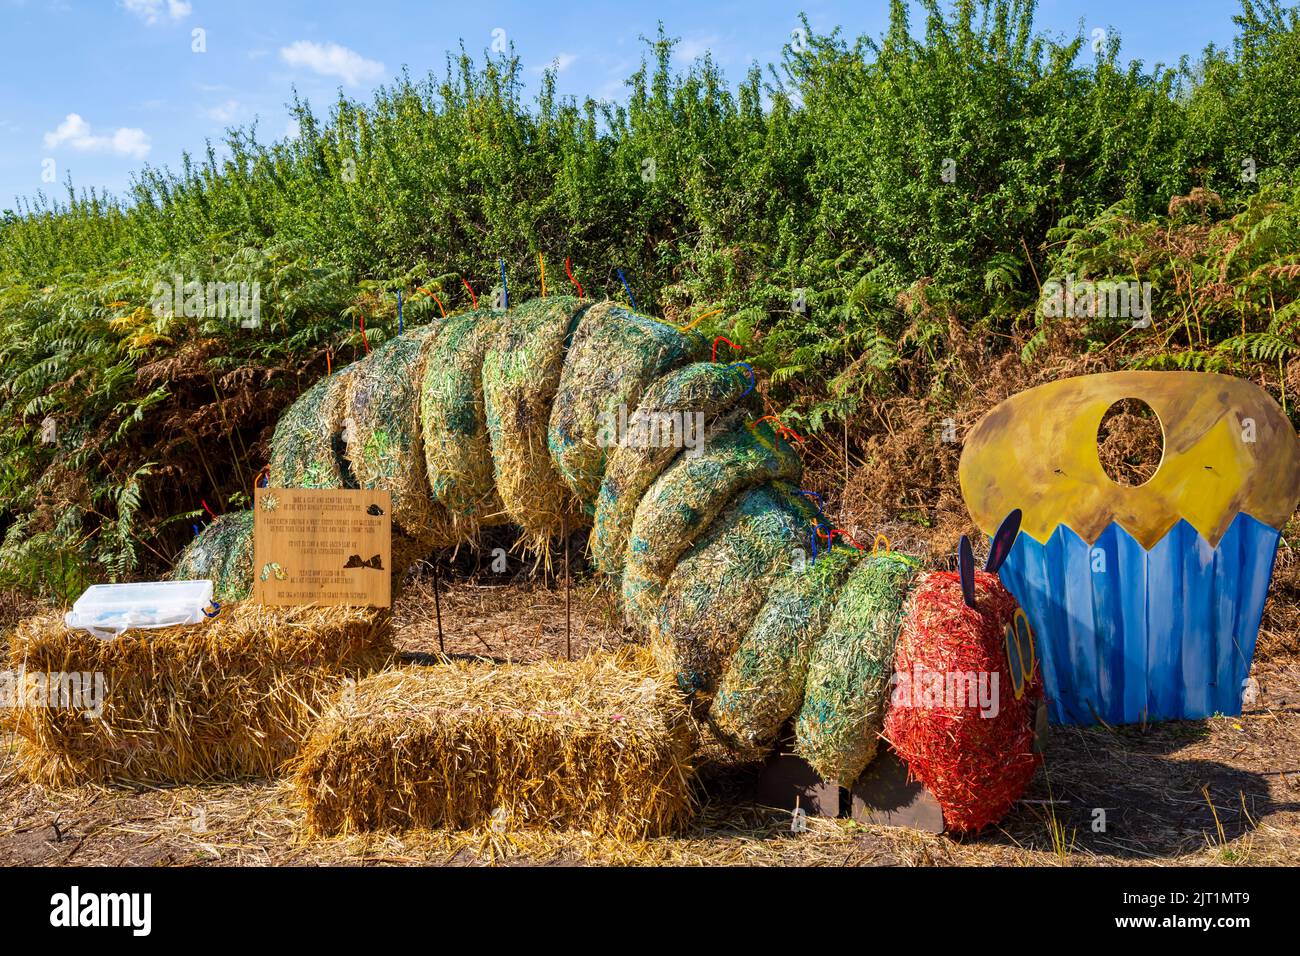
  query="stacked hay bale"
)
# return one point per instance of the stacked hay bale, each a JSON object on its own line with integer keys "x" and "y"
{"x": 718, "y": 587}
{"x": 615, "y": 355}
{"x": 764, "y": 682}
{"x": 600, "y": 744}
{"x": 717, "y": 391}
{"x": 457, "y": 451}
{"x": 684, "y": 500}
{"x": 230, "y": 697}
{"x": 307, "y": 449}
{"x": 383, "y": 436}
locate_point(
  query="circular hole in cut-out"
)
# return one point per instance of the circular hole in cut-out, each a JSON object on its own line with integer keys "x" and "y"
{"x": 1130, "y": 442}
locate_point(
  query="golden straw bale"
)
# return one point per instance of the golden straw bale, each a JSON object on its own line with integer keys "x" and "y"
{"x": 601, "y": 744}
{"x": 231, "y": 697}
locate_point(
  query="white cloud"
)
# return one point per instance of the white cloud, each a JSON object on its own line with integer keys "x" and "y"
{"x": 615, "y": 85}
{"x": 155, "y": 11}
{"x": 75, "y": 132}
{"x": 224, "y": 112}
{"x": 559, "y": 63}
{"x": 692, "y": 48}
{"x": 131, "y": 142}
{"x": 612, "y": 90}
{"x": 330, "y": 59}
{"x": 292, "y": 129}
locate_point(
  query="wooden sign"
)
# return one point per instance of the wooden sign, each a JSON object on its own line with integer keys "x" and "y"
{"x": 322, "y": 546}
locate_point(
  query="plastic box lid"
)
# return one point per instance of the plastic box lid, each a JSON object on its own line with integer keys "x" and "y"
{"x": 106, "y": 610}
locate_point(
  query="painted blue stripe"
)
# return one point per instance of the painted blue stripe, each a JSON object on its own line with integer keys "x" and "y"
{"x": 1107, "y": 608}
{"x": 1259, "y": 548}
{"x": 1134, "y": 635}
{"x": 1082, "y": 640}
{"x": 1164, "y": 626}
{"x": 1228, "y": 568}
{"x": 1197, "y": 626}
{"x": 1131, "y": 582}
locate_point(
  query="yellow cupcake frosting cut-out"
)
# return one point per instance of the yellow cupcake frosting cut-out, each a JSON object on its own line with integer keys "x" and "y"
{"x": 1228, "y": 448}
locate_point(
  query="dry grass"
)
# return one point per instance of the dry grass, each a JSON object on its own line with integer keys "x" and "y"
{"x": 1279, "y": 632}
{"x": 14, "y": 606}
{"x": 1129, "y": 442}
{"x": 1149, "y": 780}
{"x": 602, "y": 743}
{"x": 496, "y": 618}
{"x": 228, "y": 698}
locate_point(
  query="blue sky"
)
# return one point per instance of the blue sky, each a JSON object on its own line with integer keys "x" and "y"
{"x": 98, "y": 88}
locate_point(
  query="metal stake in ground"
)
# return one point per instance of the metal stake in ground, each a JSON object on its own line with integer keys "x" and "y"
{"x": 568, "y": 619}
{"x": 437, "y": 605}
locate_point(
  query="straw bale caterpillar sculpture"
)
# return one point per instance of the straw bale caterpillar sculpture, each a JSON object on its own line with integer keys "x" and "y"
{"x": 562, "y": 412}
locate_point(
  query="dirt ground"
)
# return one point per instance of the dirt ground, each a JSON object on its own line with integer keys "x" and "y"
{"x": 1224, "y": 791}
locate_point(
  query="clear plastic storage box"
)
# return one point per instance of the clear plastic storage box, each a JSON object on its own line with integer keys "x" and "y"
{"x": 107, "y": 610}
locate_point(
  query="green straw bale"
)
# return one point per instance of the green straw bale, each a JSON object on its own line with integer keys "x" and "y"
{"x": 614, "y": 356}
{"x": 307, "y": 448}
{"x": 716, "y": 390}
{"x": 457, "y": 451}
{"x": 384, "y": 437}
{"x": 718, "y": 587}
{"x": 521, "y": 373}
{"x": 762, "y": 685}
{"x": 688, "y": 495}
{"x": 222, "y": 553}
{"x": 847, "y": 689}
